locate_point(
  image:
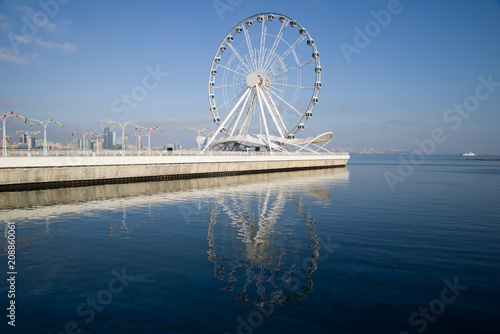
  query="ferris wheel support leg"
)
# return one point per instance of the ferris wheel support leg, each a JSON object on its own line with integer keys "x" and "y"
{"x": 264, "y": 119}
{"x": 272, "y": 114}
{"x": 245, "y": 124}
{"x": 242, "y": 110}
{"x": 226, "y": 120}
{"x": 276, "y": 112}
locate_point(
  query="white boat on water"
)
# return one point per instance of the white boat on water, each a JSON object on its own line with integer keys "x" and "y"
{"x": 468, "y": 154}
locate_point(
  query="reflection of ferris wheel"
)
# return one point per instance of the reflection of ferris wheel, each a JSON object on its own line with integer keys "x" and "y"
{"x": 263, "y": 261}
{"x": 264, "y": 83}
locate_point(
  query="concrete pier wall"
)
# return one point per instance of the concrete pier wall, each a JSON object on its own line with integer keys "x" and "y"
{"x": 35, "y": 173}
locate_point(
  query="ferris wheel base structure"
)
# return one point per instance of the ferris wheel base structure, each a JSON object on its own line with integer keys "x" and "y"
{"x": 23, "y": 173}
{"x": 269, "y": 143}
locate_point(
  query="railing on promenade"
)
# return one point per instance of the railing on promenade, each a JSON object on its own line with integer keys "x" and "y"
{"x": 109, "y": 153}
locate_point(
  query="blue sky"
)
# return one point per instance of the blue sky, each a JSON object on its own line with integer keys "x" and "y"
{"x": 83, "y": 56}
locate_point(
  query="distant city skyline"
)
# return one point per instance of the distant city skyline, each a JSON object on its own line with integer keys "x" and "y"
{"x": 393, "y": 71}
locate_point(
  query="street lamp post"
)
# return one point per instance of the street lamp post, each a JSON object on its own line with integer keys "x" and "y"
{"x": 44, "y": 124}
{"x": 94, "y": 134}
{"x": 83, "y": 136}
{"x": 139, "y": 141}
{"x": 199, "y": 134}
{"x": 4, "y": 137}
{"x": 122, "y": 126}
{"x": 137, "y": 127}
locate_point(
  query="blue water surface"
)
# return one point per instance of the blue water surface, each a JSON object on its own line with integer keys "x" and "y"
{"x": 345, "y": 250}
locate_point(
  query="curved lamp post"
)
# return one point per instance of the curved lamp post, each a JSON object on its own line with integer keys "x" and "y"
{"x": 83, "y": 136}
{"x": 4, "y": 137}
{"x": 122, "y": 126}
{"x": 97, "y": 140}
{"x": 44, "y": 124}
{"x": 137, "y": 127}
{"x": 198, "y": 132}
{"x": 139, "y": 140}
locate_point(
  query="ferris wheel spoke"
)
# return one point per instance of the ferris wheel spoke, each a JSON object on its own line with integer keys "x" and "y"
{"x": 298, "y": 66}
{"x": 294, "y": 86}
{"x": 235, "y": 97}
{"x": 279, "y": 90}
{"x": 276, "y": 42}
{"x": 236, "y": 53}
{"x": 233, "y": 85}
{"x": 288, "y": 104}
{"x": 250, "y": 48}
{"x": 287, "y": 52}
{"x": 262, "y": 44}
{"x": 275, "y": 68}
{"x": 230, "y": 69}
{"x": 293, "y": 46}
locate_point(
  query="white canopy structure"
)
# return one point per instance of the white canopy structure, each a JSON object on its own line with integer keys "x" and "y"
{"x": 260, "y": 141}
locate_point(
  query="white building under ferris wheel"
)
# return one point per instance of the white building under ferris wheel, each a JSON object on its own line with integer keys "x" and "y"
{"x": 263, "y": 85}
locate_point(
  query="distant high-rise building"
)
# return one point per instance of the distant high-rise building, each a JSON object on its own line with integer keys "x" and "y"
{"x": 25, "y": 139}
{"x": 21, "y": 139}
{"x": 113, "y": 138}
{"x": 107, "y": 140}
{"x": 32, "y": 142}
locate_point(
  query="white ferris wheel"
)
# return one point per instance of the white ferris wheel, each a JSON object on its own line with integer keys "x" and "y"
{"x": 263, "y": 85}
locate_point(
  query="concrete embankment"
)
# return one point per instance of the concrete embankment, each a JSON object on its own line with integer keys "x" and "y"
{"x": 20, "y": 173}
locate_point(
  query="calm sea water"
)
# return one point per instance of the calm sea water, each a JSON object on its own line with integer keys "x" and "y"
{"x": 328, "y": 251}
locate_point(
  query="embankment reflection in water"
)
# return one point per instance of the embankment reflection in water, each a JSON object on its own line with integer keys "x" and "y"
{"x": 262, "y": 238}
{"x": 50, "y": 202}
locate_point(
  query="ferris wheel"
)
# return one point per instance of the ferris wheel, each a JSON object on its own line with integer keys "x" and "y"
{"x": 263, "y": 85}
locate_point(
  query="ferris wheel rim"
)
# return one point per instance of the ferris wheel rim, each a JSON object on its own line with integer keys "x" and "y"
{"x": 225, "y": 44}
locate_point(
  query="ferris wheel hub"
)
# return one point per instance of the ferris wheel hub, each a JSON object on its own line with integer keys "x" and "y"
{"x": 253, "y": 79}
{"x": 265, "y": 83}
